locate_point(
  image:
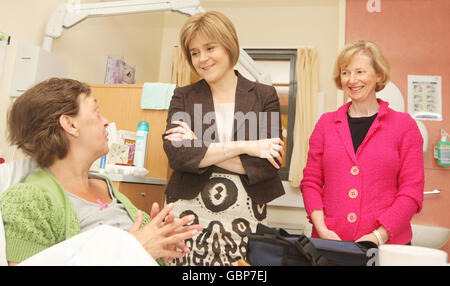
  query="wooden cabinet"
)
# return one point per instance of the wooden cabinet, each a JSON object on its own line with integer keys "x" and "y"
{"x": 121, "y": 103}
{"x": 142, "y": 195}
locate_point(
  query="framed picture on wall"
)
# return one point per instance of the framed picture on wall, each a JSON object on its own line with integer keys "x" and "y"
{"x": 425, "y": 97}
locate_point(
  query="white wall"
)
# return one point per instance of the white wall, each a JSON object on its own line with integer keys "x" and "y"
{"x": 23, "y": 21}
{"x": 136, "y": 38}
{"x": 273, "y": 24}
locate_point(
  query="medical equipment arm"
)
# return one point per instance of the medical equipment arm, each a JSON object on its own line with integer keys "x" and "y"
{"x": 68, "y": 15}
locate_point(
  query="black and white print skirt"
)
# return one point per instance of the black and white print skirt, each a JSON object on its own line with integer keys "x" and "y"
{"x": 227, "y": 215}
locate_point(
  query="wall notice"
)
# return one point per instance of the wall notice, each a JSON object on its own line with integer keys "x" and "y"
{"x": 425, "y": 97}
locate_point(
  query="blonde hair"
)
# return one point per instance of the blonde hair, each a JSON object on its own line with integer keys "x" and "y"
{"x": 369, "y": 48}
{"x": 214, "y": 25}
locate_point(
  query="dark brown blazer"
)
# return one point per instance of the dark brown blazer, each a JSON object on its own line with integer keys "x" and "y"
{"x": 190, "y": 103}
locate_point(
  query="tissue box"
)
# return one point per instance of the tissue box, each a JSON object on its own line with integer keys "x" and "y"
{"x": 118, "y": 154}
{"x": 128, "y": 138}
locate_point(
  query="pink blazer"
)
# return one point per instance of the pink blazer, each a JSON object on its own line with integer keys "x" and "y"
{"x": 382, "y": 184}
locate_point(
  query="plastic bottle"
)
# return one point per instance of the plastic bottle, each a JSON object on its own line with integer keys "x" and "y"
{"x": 443, "y": 150}
{"x": 102, "y": 164}
{"x": 141, "y": 144}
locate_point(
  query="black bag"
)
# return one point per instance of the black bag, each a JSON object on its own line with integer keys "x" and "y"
{"x": 276, "y": 247}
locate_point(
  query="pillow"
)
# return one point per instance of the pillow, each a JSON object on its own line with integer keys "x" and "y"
{"x": 15, "y": 172}
{"x": 11, "y": 173}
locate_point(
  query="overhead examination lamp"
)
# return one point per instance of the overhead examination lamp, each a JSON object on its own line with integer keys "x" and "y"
{"x": 68, "y": 15}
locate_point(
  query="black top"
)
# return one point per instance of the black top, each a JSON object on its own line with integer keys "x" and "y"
{"x": 359, "y": 127}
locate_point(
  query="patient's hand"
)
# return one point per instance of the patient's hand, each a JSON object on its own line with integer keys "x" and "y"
{"x": 170, "y": 218}
{"x": 163, "y": 235}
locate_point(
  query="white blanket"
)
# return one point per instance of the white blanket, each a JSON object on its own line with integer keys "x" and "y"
{"x": 102, "y": 246}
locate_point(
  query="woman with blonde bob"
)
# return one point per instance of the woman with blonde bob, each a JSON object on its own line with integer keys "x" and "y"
{"x": 364, "y": 176}
{"x": 223, "y": 174}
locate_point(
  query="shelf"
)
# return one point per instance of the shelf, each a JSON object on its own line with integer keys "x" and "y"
{"x": 134, "y": 179}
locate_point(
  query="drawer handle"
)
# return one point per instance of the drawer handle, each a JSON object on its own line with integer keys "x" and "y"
{"x": 143, "y": 194}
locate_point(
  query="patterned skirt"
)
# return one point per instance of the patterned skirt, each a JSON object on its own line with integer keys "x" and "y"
{"x": 227, "y": 215}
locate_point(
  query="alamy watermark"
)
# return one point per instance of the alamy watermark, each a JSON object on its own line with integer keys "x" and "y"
{"x": 258, "y": 125}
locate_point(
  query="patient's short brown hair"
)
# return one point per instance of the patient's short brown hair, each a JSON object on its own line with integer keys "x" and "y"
{"x": 33, "y": 120}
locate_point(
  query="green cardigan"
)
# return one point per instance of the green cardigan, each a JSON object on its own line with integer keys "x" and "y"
{"x": 38, "y": 214}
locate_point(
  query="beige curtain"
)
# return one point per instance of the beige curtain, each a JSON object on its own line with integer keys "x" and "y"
{"x": 306, "y": 111}
{"x": 181, "y": 71}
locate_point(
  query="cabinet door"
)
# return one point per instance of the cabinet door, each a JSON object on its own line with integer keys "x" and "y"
{"x": 142, "y": 195}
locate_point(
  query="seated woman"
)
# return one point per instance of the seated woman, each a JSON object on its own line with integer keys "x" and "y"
{"x": 58, "y": 124}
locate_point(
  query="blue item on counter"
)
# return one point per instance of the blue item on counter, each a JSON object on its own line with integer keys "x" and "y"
{"x": 103, "y": 162}
{"x": 141, "y": 144}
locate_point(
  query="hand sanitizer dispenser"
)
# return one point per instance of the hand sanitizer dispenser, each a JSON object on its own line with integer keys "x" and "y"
{"x": 443, "y": 150}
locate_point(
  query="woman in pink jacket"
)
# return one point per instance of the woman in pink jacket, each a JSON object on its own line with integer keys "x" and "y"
{"x": 364, "y": 176}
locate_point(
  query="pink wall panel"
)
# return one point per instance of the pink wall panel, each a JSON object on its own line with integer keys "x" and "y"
{"x": 414, "y": 35}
